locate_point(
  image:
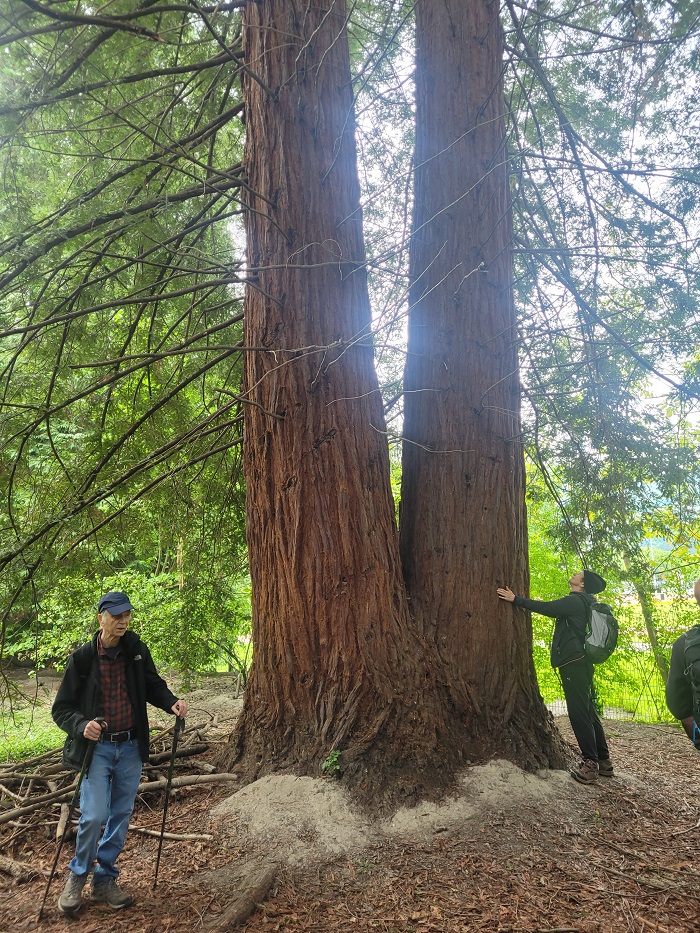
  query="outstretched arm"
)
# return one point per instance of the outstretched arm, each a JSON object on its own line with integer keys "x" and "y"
{"x": 570, "y": 605}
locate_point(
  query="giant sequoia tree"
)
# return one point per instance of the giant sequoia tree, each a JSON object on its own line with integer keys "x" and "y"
{"x": 339, "y": 665}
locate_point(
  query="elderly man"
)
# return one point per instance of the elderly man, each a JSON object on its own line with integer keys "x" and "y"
{"x": 685, "y": 654}
{"x": 567, "y": 655}
{"x": 102, "y": 699}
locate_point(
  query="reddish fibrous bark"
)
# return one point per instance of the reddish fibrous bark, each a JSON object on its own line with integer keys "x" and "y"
{"x": 463, "y": 519}
{"x": 340, "y": 664}
{"x": 337, "y": 662}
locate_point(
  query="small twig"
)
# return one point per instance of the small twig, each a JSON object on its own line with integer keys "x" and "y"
{"x": 650, "y": 925}
{"x": 681, "y": 832}
{"x": 21, "y": 776}
{"x": 655, "y": 866}
{"x": 43, "y": 757}
{"x": 63, "y": 821}
{"x": 9, "y": 793}
{"x": 649, "y": 882}
{"x": 164, "y": 733}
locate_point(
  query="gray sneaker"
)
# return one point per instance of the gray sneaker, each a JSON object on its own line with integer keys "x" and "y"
{"x": 109, "y": 892}
{"x": 71, "y": 898}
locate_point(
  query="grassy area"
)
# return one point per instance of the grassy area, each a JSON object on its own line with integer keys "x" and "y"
{"x": 27, "y": 731}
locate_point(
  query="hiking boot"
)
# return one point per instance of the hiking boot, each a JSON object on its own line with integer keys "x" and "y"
{"x": 587, "y": 772}
{"x": 605, "y": 768}
{"x": 109, "y": 892}
{"x": 71, "y": 899}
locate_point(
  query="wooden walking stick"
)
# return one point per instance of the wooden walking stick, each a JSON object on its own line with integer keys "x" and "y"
{"x": 179, "y": 726}
{"x": 73, "y": 804}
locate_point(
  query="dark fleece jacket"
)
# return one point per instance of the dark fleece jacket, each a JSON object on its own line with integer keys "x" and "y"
{"x": 571, "y": 615}
{"x": 78, "y": 698}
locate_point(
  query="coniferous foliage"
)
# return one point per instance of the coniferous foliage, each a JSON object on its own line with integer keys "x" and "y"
{"x": 121, "y": 271}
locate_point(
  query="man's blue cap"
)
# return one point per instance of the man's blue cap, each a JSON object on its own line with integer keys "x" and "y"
{"x": 114, "y": 603}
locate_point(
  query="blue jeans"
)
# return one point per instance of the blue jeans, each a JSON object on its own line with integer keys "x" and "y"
{"x": 107, "y": 797}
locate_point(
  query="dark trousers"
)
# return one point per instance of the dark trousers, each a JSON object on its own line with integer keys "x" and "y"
{"x": 577, "y": 681}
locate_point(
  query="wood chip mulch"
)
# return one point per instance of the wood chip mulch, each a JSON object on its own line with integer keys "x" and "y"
{"x": 621, "y": 855}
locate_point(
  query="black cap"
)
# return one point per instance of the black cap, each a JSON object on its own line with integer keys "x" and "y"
{"x": 114, "y": 603}
{"x": 592, "y": 583}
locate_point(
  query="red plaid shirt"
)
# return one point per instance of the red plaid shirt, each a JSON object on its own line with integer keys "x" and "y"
{"x": 116, "y": 705}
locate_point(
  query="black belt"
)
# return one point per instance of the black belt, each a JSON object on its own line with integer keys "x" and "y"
{"x": 124, "y": 736}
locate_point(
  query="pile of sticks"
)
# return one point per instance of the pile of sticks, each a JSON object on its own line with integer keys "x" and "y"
{"x": 35, "y": 794}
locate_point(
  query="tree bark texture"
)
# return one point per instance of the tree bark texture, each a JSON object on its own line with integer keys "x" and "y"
{"x": 337, "y": 664}
{"x": 462, "y": 521}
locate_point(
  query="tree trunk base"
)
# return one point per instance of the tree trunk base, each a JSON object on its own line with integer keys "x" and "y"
{"x": 407, "y": 762}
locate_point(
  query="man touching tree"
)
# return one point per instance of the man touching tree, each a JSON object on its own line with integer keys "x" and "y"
{"x": 567, "y": 655}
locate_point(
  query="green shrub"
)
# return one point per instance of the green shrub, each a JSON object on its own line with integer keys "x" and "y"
{"x": 204, "y": 626}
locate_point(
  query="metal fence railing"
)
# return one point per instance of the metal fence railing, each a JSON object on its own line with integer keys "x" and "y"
{"x": 628, "y": 685}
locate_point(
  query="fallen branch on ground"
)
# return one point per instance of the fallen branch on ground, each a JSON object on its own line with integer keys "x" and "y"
{"x": 176, "y": 837}
{"x": 20, "y": 871}
{"x": 254, "y": 891}
{"x": 187, "y": 781}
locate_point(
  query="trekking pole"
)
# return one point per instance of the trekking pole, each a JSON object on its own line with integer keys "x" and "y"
{"x": 179, "y": 726}
{"x": 73, "y": 804}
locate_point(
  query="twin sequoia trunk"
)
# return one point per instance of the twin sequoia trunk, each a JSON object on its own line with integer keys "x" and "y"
{"x": 463, "y": 524}
{"x": 337, "y": 665}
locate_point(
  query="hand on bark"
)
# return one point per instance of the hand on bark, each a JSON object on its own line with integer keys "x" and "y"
{"x": 506, "y": 593}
